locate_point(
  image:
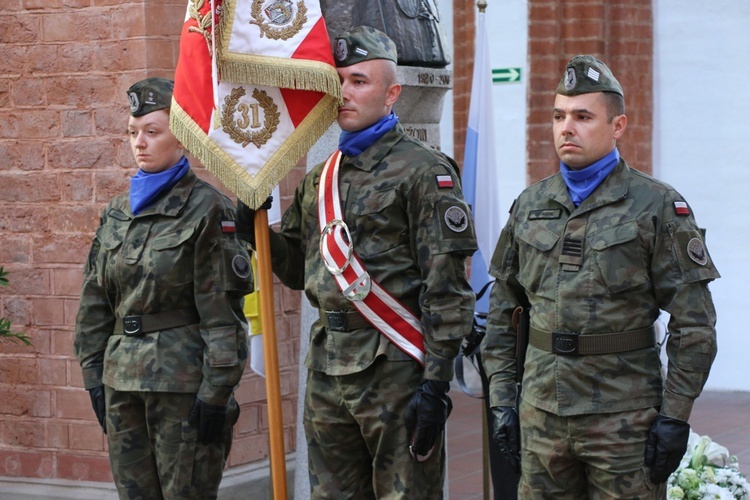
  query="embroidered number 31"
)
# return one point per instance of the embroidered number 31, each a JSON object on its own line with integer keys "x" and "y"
{"x": 244, "y": 121}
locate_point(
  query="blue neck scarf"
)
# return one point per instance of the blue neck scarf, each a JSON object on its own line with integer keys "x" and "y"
{"x": 146, "y": 188}
{"x": 354, "y": 143}
{"x": 581, "y": 183}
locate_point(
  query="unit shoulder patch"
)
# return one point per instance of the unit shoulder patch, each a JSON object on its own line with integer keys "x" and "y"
{"x": 697, "y": 252}
{"x": 456, "y": 219}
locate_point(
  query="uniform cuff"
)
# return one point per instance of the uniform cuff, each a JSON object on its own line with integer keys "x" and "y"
{"x": 503, "y": 394}
{"x": 214, "y": 395}
{"x": 92, "y": 376}
{"x": 436, "y": 368}
{"x": 676, "y": 406}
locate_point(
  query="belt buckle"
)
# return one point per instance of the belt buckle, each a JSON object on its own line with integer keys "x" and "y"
{"x": 131, "y": 326}
{"x": 565, "y": 343}
{"x": 337, "y": 321}
{"x": 328, "y": 230}
{"x": 360, "y": 288}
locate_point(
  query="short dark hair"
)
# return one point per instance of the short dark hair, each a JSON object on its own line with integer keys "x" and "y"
{"x": 615, "y": 104}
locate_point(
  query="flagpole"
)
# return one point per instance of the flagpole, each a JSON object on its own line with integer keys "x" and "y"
{"x": 271, "y": 355}
{"x": 481, "y": 6}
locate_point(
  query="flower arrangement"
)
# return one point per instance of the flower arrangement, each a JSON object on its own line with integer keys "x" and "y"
{"x": 707, "y": 471}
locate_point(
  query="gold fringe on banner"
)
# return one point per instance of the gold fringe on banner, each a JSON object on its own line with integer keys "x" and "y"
{"x": 277, "y": 72}
{"x": 253, "y": 189}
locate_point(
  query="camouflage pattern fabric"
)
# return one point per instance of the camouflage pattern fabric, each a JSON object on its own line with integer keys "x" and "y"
{"x": 363, "y": 43}
{"x": 173, "y": 255}
{"x": 155, "y": 452}
{"x": 346, "y": 416}
{"x": 629, "y": 250}
{"x": 149, "y": 95}
{"x": 586, "y": 456}
{"x": 413, "y": 238}
{"x": 585, "y": 74}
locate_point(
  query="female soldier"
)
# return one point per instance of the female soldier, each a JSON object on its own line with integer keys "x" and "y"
{"x": 160, "y": 333}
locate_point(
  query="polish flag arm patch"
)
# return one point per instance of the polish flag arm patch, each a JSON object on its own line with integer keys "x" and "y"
{"x": 444, "y": 181}
{"x": 681, "y": 208}
{"x": 228, "y": 226}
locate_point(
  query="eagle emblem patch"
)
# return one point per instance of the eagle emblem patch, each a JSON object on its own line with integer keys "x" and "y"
{"x": 456, "y": 219}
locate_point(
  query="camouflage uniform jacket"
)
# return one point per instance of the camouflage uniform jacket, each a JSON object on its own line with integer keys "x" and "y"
{"x": 639, "y": 255}
{"x": 171, "y": 256}
{"x": 396, "y": 213}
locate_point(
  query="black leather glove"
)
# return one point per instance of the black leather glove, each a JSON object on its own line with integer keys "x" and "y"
{"x": 97, "y": 402}
{"x": 506, "y": 433}
{"x": 210, "y": 420}
{"x": 426, "y": 414}
{"x": 665, "y": 446}
{"x": 246, "y": 219}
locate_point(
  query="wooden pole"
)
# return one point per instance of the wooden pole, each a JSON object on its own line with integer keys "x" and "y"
{"x": 271, "y": 355}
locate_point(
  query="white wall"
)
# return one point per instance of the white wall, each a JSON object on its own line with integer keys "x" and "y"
{"x": 701, "y": 125}
{"x": 507, "y": 30}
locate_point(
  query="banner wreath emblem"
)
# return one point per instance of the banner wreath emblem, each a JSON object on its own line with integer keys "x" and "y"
{"x": 277, "y": 16}
{"x": 249, "y": 117}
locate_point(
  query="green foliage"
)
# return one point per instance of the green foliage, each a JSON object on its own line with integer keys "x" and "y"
{"x": 5, "y": 332}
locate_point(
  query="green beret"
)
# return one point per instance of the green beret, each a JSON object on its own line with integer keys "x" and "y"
{"x": 586, "y": 74}
{"x": 363, "y": 43}
{"x": 151, "y": 94}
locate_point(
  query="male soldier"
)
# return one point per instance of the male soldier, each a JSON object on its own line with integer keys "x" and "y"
{"x": 378, "y": 237}
{"x": 160, "y": 333}
{"x": 596, "y": 251}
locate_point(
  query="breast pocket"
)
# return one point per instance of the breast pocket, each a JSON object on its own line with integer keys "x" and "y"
{"x": 620, "y": 257}
{"x": 535, "y": 257}
{"x": 379, "y": 223}
{"x": 171, "y": 257}
{"x": 107, "y": 242}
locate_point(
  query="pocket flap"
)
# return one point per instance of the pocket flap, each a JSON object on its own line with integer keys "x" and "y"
{"x": 172, "y": 239}
{"x": 374, "y": 202}
{"x": 612, "y": 236}
{"x": 538, "y": 236}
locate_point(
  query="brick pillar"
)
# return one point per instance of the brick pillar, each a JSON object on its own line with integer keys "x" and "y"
{"x": 619, "y": 32}
{"x": 463, "y": 65}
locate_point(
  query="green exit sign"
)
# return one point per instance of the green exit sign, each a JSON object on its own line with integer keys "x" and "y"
{"x": 506, "y": 75}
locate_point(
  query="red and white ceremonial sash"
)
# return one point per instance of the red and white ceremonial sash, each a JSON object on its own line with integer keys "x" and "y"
{"x": 389, "y": 316}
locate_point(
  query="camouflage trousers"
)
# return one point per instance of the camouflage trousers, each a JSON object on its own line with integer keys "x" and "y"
{"x": 596, "y": 456}
{"x": 357, "y": 442}
{"x": 154, "y": 451}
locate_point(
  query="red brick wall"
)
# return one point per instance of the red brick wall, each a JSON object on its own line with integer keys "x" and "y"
{"x": 63, "y": 154}
{"x": 620, "y": 32}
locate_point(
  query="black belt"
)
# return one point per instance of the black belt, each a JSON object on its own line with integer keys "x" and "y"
{"x": 599, "y": 343}
{"x": 343, "y": 321}
{"x": 134, "y": 326}
{"x": 347, "y": 321}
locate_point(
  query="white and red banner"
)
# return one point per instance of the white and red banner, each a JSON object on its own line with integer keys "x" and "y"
{"x": 255, "y": 87}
